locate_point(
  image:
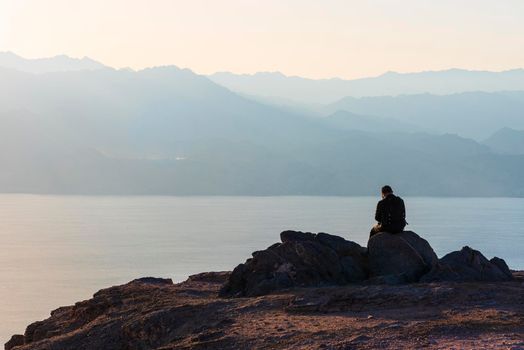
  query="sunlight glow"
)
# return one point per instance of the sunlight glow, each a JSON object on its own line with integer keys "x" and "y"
{"x": 309, "y": 38}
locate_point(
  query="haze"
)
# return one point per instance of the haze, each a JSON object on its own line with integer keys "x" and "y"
{"x": 317, "y": 39}
{"x": 72, "y": 124}
{"x": 170, "y": 137}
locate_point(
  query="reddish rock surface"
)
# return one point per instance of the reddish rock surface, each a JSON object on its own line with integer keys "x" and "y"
{"x": 156, "y": 314}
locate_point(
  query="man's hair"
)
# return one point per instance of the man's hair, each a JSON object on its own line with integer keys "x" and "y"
{"x": 387, "y": 189}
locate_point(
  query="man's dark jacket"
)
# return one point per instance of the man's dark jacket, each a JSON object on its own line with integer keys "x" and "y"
{"x": 391, "y": 214}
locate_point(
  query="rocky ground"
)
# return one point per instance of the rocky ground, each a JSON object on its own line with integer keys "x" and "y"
{"x": 310, "y": 291}
{"x": 156, "y": 314}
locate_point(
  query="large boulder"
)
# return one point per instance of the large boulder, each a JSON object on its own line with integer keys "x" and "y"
{"x": 399, "y": 258}
{"x": 303, "y": 259}
{"x": 467, "y": 265}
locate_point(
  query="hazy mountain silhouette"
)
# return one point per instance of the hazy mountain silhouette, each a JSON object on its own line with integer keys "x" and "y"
{"x": 351, "y": 121}
{"x": 303, "y": 90}
{"x": 470, "y": 114}
{"x": 167, "y": 130}
{"x": 61, "y": 63}
{"x": 507, "y": 141}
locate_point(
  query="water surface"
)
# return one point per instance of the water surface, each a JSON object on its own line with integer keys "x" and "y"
{"x": 57, "y": 250}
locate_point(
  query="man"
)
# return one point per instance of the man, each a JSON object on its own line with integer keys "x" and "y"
{"x": 390, "y": 214}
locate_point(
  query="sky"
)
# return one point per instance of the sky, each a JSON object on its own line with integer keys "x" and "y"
{"x": 316, "y": 39}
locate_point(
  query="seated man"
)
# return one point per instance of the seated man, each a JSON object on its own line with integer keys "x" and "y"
{"x": 390, "y": 214}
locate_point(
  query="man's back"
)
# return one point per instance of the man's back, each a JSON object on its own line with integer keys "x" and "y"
{"x": 391, "y": 214}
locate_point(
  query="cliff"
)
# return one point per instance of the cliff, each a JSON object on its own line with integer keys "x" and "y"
{"x": 303, "y": 293}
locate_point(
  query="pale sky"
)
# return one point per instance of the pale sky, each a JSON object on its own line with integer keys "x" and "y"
{"x": 317, "y": 39}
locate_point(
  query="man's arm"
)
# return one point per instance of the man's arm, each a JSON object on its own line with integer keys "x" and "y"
{"x": 378, "y": 212}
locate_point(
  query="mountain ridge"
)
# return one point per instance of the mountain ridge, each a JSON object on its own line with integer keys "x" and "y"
{"x": 387, "y": 73}
{"x": 170, "y": 131}
{"x": 58, "y": 63}
{"x": 325, "y": 91}
{"x": 506, "y": 141}
{"x": 470, "y": 114}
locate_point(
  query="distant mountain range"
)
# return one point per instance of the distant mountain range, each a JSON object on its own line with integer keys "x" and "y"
{"x": 277, "y": 88}
{"x": 280, "y": 88}
{"x": 345, "y": 120}
{"x": 470, "y": 114}
{"x": 167, "y": 130}
{"x": 59, "y": 63}
{"x": 507, "y": 141}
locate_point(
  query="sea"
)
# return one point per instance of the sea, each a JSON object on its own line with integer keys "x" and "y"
{"x": 56, "y": 250}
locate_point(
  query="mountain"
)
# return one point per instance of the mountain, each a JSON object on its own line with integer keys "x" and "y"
{"x": 152, "y": 113}
{"x": 350, "y": 121}
{"x": 167, "y": 130}
{"x": 161, "y": 130}
{"x": 469, "y": 114}
{"x": 324, "y": 91}
{"x": 507, "y": 141}
{"x": 61, "y": 63}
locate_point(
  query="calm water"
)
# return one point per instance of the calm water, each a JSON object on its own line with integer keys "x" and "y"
{"x": 57, "y": 250}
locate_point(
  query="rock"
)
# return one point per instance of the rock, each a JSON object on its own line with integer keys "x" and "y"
{"x": 391, "y": 280}
{"x": 190, "y": 315}
{"x": 341, "y": 246}
{"x": 16, "y": 340}
{"x": 405, "y": 255}
{"x": 501, "y": 264}
{"x": 153, "y": 280}
{"x": 354, "y": 268}
{"x": 303, "y": 259}
{"x": 421, "y": 246}
{"x": 293, "y": 236}
{"x": 468, "y": 265}
{"x": 440, "y": 273}
{"x": 210, "y": 277}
